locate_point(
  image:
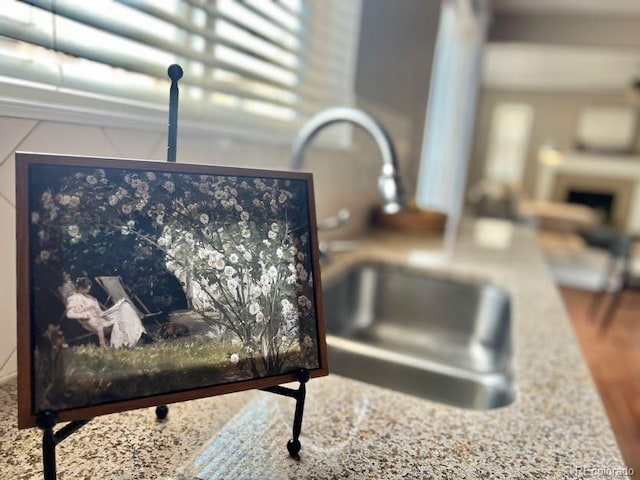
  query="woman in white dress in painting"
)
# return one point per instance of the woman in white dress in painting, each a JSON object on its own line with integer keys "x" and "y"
{"x": 122, "y": 317}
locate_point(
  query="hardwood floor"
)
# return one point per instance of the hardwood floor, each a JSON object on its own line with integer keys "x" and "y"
{"x": 614, "y": 360}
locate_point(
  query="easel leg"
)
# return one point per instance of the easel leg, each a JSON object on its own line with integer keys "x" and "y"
{"x": 161, "y": 412}
{"x": 294, "y": 445}
{"x": 49, "y": 454}
{"x": 46, "y": 421}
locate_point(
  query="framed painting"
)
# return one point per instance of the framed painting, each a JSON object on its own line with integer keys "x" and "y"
{"x": 143, "y": 283}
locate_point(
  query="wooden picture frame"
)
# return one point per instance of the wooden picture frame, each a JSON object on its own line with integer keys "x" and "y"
{"x": 143, "y": 283}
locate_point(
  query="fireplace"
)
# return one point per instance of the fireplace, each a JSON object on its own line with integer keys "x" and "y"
{"x": 617, "y": 175}
{"x": 603, "y": 203}
{"x": 611, "y": 196}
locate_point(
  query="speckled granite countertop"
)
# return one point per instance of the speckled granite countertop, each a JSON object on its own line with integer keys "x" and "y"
{"x": 556, "y": 428}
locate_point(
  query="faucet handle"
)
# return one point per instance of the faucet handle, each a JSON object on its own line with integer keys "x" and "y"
{"x": 336, "y": 221}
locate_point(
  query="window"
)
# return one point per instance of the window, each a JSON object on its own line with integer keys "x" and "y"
{"x": 249, "y": 64}
{"x": 508, "y": 142}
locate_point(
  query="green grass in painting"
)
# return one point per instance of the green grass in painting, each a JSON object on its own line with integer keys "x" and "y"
{"x": 180, "y": 354}
{"x": 87, "y": 375}
{"x": 90, "y": 375}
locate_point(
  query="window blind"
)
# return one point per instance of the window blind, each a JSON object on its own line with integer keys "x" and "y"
{"x": 248, "y": 63}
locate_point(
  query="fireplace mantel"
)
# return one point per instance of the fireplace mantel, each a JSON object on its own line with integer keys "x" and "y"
{"x": 594, "y": 166}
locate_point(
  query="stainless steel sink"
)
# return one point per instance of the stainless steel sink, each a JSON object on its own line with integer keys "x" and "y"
{"x": 425, "y": 334}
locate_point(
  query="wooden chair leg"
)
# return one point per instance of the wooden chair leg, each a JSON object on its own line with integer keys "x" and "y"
{"x": 611, "y": 311}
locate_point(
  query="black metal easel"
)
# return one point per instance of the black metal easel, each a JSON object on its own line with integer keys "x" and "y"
{"x": 293, "y": 445}
{"x": 47, "y": 419}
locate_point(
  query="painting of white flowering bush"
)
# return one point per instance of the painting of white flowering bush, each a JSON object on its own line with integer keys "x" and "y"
{"x": 217, "y": 264}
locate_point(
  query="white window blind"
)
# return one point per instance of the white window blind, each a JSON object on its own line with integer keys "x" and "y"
{"x": 251, "y": 65}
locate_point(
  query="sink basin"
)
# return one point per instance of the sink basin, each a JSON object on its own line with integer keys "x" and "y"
{"x": 421, "y": 333}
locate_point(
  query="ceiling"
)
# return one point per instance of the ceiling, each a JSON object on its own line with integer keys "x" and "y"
{"x": 563, "y": 45}
{"x": 552, "y": 68}
{"x": 569, "y": 7}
